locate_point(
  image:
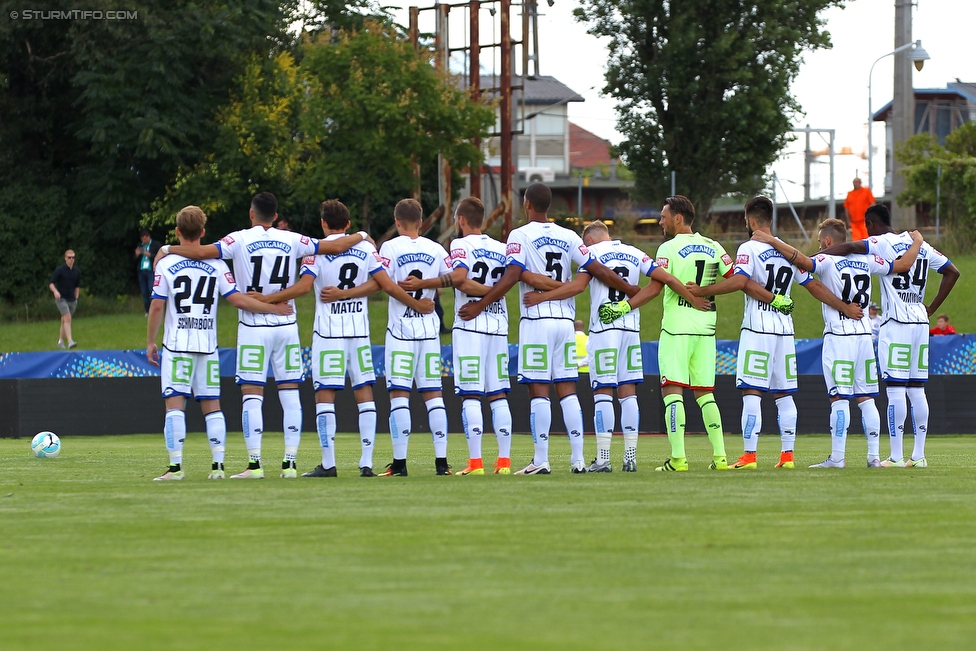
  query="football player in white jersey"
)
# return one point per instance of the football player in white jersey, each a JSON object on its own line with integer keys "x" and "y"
{"x": 903, "y": 344}
{"x": 340, "y": 339}
{"x": 413, "y": 345}
{"x": 186, "y": 291}
{"x": 547, "y": 340}
{"x": 480, "y": 347}
{"x": 264, "y": 262}
{"x": 615, "y": 348}
{"x": 766, "y": 360}
{"x": 849, "y": 366}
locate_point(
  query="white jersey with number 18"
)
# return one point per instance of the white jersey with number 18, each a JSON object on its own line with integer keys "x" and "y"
{"x": 629, "y": 263}
{"x": 190, "y": 289}
{"x": 849, "y": 278}
{"x": 264, "y": 262}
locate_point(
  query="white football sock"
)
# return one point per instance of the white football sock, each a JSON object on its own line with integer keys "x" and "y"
{"x": 400, "y": 426}
{"x": 540, "y": 420}
{"x": 437, "y": 419}
{"x": 174, "y": 430}
{"x": 751, "y": 421}
{"x": 501, "y": 421}
{"x": 603, "y": 422}
{"x": 897, "y": 412}
{"x": 871, "y": 422}
{"x": 786, "y": 419}
{"x": 325, "y": 425}
{"x": 630, "y": 424}
{"x": 474, "y": 423}
{"x": 291, "y": 421}
{"x": 367, "y": 432}
{"x": 253, "y": 421}
{"x": 840, "y": 418}
{"x": 216, "y": 434}
{"x": 573, "y": 418}
{"x": 920, "y": 419}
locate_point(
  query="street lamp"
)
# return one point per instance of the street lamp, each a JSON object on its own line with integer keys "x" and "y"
{"x": 918, "y": 56}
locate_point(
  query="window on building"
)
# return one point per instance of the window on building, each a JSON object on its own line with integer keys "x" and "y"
{"x": 549, "y": 125}
{"x": 556, "y": 163}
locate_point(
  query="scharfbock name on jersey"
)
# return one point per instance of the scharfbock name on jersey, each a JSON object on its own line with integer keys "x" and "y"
{"x": 268, "y": 244}
{"x": 550, "y": 241}
{"x": 691, "y": 249}
{"x": 407, "y": 258}
{"x": 192, "y": 264}
{"x": 490, "y": 255}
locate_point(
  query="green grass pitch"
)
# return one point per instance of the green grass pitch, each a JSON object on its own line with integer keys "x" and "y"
{"x": 94, "y": 555}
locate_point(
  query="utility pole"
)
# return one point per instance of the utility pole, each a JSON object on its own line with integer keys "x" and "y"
{"x": 902, "y": 113}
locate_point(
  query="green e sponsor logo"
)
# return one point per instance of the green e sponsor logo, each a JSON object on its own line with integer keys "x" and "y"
{"x": 605, "y": 361}
{"x": 401, "y": 364}
{"x": 182, "y": 369}
{"x": 535, "y": 357}
{"x": 332, "y": 363}
{"x": 843, "y": 372}
{"x": 469, "y": 369}
{"x": 250, "y": 358}
{"x": 756, "y": 363}
{"x": 900, "y": 356}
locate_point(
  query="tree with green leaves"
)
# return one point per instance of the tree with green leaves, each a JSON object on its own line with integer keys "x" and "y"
{"x": 704, "y": 87}
{"x": 951, "y": 168}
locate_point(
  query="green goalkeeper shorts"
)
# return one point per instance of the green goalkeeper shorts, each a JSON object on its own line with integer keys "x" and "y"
{"x": 687, "y": 360}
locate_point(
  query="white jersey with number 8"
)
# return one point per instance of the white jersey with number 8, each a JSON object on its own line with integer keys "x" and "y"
{"x": 347, "y": 270}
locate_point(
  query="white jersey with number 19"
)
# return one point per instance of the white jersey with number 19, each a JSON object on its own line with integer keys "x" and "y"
{"x": 190, "y": 288}
{"x": 264, "y": 262}
{"x": 628, "y": 262}
{"x": 765, "y": 265}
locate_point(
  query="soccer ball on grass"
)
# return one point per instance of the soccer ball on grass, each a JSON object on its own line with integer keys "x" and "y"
{"x": 46, "y": 445}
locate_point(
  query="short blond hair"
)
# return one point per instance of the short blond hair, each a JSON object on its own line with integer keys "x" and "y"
{"x": 835, "y": 228}
{"x": 190, "y": 222}
{"x": 596, "y": 229}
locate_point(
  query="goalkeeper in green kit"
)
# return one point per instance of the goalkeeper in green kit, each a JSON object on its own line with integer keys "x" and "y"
{"x": 686, "y": 351}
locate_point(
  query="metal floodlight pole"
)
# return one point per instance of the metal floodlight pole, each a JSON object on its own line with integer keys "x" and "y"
{"x": 918, "y": 56}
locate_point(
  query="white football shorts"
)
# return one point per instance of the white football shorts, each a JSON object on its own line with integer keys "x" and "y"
{"x": 333, "y": 359}
{"x": 766, "y": 362}
{"x": 849, "y": 367}
{"x": 257, "y": 346}
{"x": 186, "y": 374}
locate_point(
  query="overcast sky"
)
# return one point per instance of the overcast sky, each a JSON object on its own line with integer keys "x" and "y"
{"x": 831, "y": 87}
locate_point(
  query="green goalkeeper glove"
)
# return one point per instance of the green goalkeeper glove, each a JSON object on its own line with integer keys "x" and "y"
{"x": 782, "y": 304}
{"x": 610, "y": 312}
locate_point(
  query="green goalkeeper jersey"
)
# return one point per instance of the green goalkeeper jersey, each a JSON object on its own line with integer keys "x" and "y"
{"x": 691, "y": 258}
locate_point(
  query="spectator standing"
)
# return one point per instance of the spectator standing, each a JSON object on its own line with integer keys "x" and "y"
{"x": 65, "y": 285}
{"x": 942, "y": 327}
{"x": 145, "y": 254}
{"x": 858, "y": 201}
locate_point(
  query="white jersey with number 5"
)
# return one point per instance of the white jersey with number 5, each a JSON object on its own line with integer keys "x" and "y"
{"x": 849, "y": 278}
{"x": 547, "y": 249}
{"x": 190, "y": 288}
{"x": 765, "y": 265}
{"x": 484, "y": 258}
{"x": 903, "y": 295}
{"x": 422, "y": 258}
{"x": 264, "y": 262}
{"x": 629, "y": 263}
{"x": 342, "y": 319}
